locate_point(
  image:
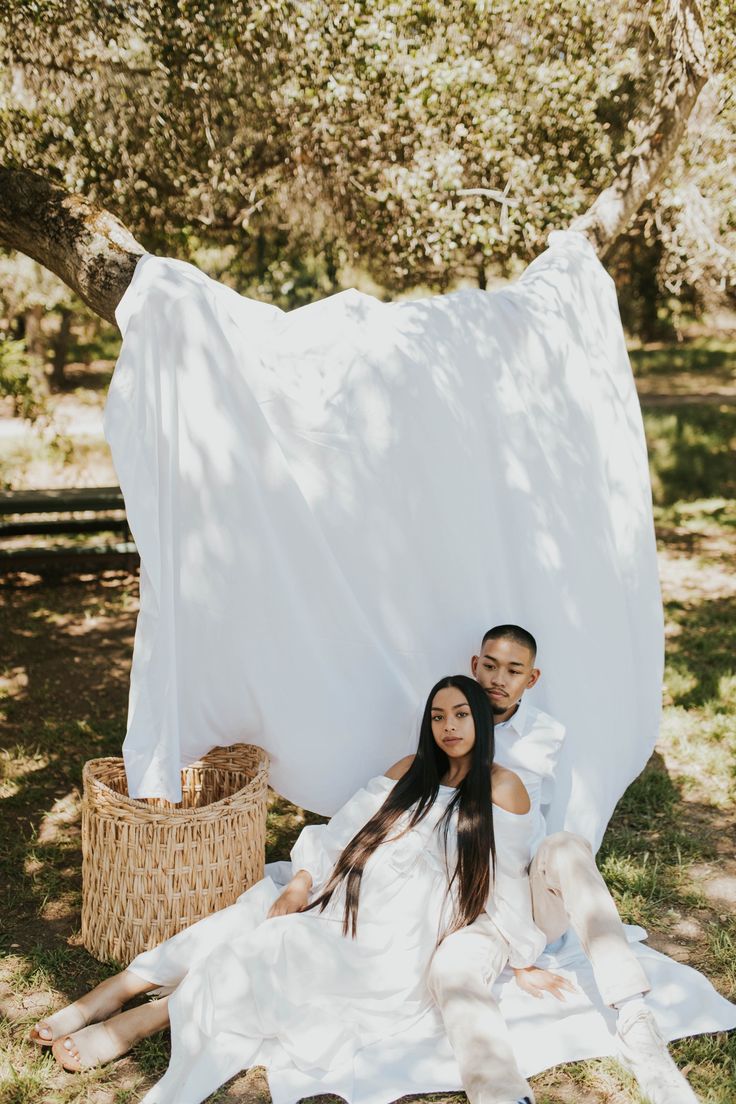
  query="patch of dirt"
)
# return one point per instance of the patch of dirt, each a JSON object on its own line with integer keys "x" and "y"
{"x": 718, "y": 885}
{"x": 689, "y": 579}
{"x": 686, "y": 936}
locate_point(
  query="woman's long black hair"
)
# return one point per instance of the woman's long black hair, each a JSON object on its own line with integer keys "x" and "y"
{"x": 417, "y": 790}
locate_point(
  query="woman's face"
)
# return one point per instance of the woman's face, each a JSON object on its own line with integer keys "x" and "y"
{"x": 453, "y": 727}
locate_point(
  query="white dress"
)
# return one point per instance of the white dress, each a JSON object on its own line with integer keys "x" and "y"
{"x": 295, "y": 995}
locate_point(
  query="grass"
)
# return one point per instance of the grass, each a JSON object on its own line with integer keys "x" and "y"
{"x": 700, "y": 369}
{"x": 703, "y": 358}
{"x": 691, "y": 454}
{"x": 669, "y": 855}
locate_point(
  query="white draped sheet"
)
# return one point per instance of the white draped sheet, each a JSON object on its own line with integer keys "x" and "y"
{"x": 331, "y": 505}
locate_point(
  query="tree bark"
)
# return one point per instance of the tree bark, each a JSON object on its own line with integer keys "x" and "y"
{"x": 32, "y": 330}
{"x": 85, "y": 245}
{"x": 60, "y": 346}
{"x": 686, "y": 74}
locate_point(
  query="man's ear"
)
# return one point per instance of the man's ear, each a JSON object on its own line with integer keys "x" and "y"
{"x": 474, "y": 664}
{"x": 534, "y": 678}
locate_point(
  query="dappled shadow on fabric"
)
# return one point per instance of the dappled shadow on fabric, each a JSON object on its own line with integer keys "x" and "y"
{"x": 332, "y": 505}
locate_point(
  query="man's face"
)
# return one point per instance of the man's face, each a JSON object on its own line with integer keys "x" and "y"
{"x": 505, "y": 670}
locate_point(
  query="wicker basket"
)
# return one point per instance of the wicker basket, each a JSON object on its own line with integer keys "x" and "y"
{"x": 150, "y": 868}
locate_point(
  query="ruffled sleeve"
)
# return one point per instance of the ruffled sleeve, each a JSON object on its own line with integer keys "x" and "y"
{"x": 510, "y": 904}
{"x": 319, "y": 845}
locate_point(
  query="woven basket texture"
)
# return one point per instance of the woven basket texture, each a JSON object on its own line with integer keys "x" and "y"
{"x": 151, "y": 868}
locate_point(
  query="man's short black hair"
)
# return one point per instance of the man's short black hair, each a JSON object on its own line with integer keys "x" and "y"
{"x": 515, "y": 633}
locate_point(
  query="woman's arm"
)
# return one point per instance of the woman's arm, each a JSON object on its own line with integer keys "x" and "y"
{"x": 398, "y": 770}
{"x": 509, "y": 792}
{"x": 319, "y": 846}
{"x": 510, "y": 905}
{"x": 294, "y": 897}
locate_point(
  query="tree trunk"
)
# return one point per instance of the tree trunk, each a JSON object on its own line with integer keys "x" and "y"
{"x": 61, "y": 349}
{"x": 86, "y": 246}
{"x": 32, "y": 331}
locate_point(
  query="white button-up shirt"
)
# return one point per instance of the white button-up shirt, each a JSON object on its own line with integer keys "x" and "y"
{"x": 529, "y": 743}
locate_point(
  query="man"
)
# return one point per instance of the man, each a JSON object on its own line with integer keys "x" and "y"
{"x": 567, "y": 891}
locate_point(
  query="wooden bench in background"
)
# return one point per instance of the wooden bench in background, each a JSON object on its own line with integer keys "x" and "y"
{"x": 75, "y": 513}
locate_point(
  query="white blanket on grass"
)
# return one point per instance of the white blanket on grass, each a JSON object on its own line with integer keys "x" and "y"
{"x": 544, "y": 1033}
{"x": 332, "y": 505}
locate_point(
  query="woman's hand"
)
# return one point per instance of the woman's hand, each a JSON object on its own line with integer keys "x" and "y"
{"x": 538, "y": 982}
{"x": 294, "y": 898}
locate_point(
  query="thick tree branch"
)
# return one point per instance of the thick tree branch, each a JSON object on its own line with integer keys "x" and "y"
{"x": 86, "y": 246}
{"x": 687, "y": 72}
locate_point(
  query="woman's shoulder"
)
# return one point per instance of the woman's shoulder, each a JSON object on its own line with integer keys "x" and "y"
{"x": 508, "y": 791}
{"x": 398, "y": 770}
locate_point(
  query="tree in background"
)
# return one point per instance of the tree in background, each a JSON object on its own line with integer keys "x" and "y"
{"x": 29, "y": 296}
{"x": 426, "y": 142}
{"x": 37, "y": 309}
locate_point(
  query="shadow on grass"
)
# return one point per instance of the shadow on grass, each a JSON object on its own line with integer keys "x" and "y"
{"x": 707, "y": 357}
{"x": 701, "y": 655}
{"x": 655, "y": 834}
{"x": 285, "y": 822}
{"x": 647, "y": 848}
{"x": 63, "y": 696}
{"x": 691, "y": 452}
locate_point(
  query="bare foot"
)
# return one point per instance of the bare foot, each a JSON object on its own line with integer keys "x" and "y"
{"x": 92, "y": 1046}
{"x": 60, "y": 1023}
{"x": 103, "y": 1001}
{"x": 103, "y": 1042}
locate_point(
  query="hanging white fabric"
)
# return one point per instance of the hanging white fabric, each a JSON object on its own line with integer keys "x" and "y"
{"x": 331, "y": 506}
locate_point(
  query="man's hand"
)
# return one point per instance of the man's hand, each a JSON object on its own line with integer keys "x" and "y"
{"x": 294, "y": 898}
{"x": 538, "y": 982}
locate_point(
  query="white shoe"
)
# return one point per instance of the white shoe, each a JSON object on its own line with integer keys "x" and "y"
{"x": 643, "y": 1051}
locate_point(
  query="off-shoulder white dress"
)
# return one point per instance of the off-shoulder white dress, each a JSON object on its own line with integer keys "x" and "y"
{"x": 292, "y": 993}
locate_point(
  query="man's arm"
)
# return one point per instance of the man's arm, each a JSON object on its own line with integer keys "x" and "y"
{"x": 537, "y": 982}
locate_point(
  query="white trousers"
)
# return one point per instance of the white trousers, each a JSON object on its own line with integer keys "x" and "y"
{"x": 568, "y": 891}
{"x": 461, "y": 974}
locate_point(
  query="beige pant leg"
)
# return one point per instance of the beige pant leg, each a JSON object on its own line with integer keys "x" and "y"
{"x": 568, "y": 891}
{"x": 461, "y": 974}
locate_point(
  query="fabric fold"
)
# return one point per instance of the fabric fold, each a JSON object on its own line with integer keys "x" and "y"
{"x": 332, "y": 505}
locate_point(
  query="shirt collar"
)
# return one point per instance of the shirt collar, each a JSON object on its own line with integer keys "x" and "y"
{"x": 519, "y": 720}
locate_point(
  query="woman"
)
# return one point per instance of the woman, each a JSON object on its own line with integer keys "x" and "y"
{"x": 412, "y": 857}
